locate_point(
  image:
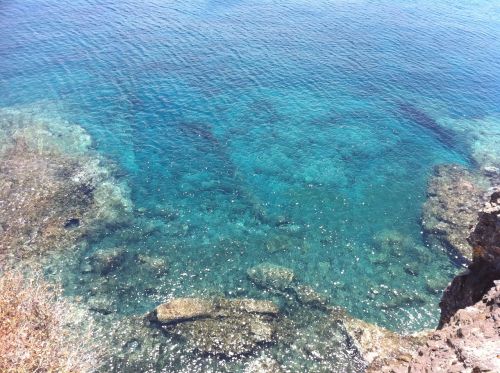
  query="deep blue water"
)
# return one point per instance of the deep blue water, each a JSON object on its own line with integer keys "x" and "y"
{"x": 293, "y": 132}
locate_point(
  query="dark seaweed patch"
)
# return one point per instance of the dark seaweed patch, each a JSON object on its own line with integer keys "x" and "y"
{"x": 425, "y": 121}
{"x": 72, "y": 223}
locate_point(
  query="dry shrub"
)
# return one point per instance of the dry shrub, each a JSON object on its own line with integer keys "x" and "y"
{"x": 39, "y": 331}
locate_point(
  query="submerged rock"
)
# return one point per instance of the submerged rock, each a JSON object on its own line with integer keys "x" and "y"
{"x": 271, "y": 276}
{"x": 306, "y": 295}
{"x": 101, "y": 304}
{"x": 263, "y": 364}
{"x": 227, "y": 337}
{"x": 284, "y": 242}
{"x": 154, "y": 264}
{"x": 282, "y": 279}
{"x": 129, "y": 344}
{"x": 450, "y": 211}
{"x": 227, "y": 327}
{"x": 312, "y": 340}
{"x": 391, "y": 244}
{"x": 104, "y": 261}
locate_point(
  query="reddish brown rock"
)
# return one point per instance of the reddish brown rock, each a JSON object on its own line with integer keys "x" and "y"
{"x": 469, "y": 342}
{"x": 468, "y": 288}
{"x": 468, "y": 337}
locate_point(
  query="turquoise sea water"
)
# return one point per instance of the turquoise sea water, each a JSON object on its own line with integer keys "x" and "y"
{"x": 292, "y": 132}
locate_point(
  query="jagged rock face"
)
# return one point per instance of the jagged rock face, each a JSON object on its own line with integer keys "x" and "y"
{"x": 468, "y": 336}
{"x": 486, "y": 236}
{"x": 450, "y": 211}
{"x": 381, "y": 347}
{"x": 469, "y": 342}
{"x": 468, "y": 288}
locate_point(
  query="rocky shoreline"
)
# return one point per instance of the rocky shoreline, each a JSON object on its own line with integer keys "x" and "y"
{"x": 468, "y": 335}
{"x": 56, "y": 195}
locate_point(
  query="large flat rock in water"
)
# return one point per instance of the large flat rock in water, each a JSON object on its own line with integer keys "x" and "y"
{"x": 219, "y": 326}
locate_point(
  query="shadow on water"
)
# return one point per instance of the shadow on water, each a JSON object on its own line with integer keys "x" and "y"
{"x": 445, "y": 136}
{"x": 204, "y": 132}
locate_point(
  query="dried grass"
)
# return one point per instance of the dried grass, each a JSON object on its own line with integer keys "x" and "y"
{"x": 39, "y": 331}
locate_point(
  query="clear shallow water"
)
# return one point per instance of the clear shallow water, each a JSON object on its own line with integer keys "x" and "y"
{"x": 289, "y": 132}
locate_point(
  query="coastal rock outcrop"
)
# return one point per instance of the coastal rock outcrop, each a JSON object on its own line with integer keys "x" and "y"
{"x": 469, "y": 287}
{"x": 450, "y": 211}
{"x": 53, "y": 190}
{"x": 381, "y": 347}
{"x": 469, "y": 342}
{"x": 468, "y": 335}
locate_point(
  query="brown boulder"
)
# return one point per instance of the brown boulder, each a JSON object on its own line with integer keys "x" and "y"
{"x": 181, "y": 309}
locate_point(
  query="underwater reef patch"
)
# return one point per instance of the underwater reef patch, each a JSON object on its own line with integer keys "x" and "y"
{"x": 53, "y": 189}
{"x": 450, "y": 211}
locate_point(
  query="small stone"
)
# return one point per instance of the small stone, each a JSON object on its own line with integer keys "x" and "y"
{"x": 263, "y": 365}
{"x": 105, "y": 261}
{"x": 271, "y": 276}
{"x": 154, "y": 264}
{"x": 310, "y": 297}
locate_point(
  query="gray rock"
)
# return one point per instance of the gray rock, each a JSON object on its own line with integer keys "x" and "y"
{"x": 104, "y": 261}
{"x": 454, "y": 196}
{"x": 307, "y": 296}
{"x": 271, "y": 276}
